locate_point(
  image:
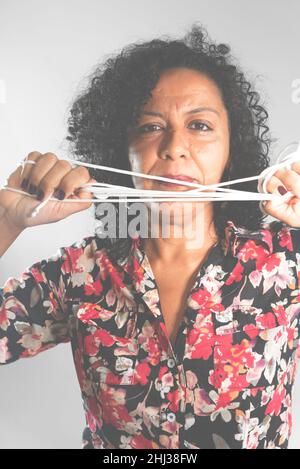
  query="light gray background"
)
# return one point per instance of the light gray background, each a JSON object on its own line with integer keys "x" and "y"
{"x": 46, "y": 50}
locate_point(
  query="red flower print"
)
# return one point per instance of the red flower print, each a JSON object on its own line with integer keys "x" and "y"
{"x": 201, "y": 297}
{"x": 280, "y": 314}
{"x": 38, "y": 275}
{"x": 270, "y": 262}
{"x": 236, "y": 274}
{"x": 275, "y": 403}
{"x": 142, "y": 372}
{"x": 200, "y": 342}
{"x": 70, "y": 263}
{"x": 162, "y": 371}
{"x": 135, "y": 270}
{"x": 266, "y": 320}
{"x": 88, "y": 311}
{"x": 285, "y": 238}
{"x": 173, "y": 398}
{"x": 251, "y": 250}
{"x": 92, "y": 342}
{"x": 140, "y": 442}
{"x": 267, "y": 238}
{"x": 93, "y": 413}
{"x": 93, "y": 288}
{"x": 113, "y": 405}
{"x": 231, "y": 365}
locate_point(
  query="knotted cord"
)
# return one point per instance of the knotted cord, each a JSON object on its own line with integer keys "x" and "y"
{"x": 102, "y": 191}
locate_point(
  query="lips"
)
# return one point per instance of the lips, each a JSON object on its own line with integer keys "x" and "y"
{"x": 180, "y": 177}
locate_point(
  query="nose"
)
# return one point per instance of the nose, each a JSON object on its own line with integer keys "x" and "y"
{"x": 173, "y": 146}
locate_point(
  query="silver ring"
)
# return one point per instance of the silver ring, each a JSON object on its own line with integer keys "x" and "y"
{"x": 22, "y": 164}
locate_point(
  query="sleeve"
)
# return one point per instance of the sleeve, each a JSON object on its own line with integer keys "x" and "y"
{"x": 34, "y": 312}
{"x": 295, "y": 241}
{"x": 287, "y": 240}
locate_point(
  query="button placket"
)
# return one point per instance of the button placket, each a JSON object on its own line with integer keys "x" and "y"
{"x": 183, "y": 380}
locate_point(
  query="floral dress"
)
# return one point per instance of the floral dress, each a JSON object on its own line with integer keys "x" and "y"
{"x": 225, "y": 383}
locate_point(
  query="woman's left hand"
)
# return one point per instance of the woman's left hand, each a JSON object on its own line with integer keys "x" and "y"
{"x": 286, "y": 210}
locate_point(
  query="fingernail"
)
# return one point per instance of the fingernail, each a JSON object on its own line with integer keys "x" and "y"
{"x": 32, "y": 189}
{"x": 281, "y": 190}
{"x": 61, "y": 195}
{"x": 40, "y": 194}
{"x": 24, "y": 183}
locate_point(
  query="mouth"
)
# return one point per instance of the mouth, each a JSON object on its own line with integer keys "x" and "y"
{"x": 180, "y": 177}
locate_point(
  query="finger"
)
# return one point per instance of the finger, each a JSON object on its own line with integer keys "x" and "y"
{"x": 82, "y": 194}
{"x": 295, "y": 167}
{"x": 50, "y": 182}
{"x": 74, "y": 179}
{"x": 25, "y": 169}
{"x": 273, "y": 184}
{"x": 278, "y": 206}
{"x": 290, "y": 180}
{"x": 64, "y": 179}
{"x": 287, "y": 212}
{"x": 43, "y": 165}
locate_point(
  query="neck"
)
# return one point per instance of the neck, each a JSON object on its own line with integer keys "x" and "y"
{"x": 196, "y": 237}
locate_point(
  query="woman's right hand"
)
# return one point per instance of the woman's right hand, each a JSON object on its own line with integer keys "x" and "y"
{"x": 49, "y": 175}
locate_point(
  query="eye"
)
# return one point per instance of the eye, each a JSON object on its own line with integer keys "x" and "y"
{"x": 144, "y": 128}
{"x": 147, "y": 128}
{"x": 202, "y": 123}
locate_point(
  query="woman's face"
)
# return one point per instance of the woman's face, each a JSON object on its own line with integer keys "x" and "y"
{"x": 173, "y": 136}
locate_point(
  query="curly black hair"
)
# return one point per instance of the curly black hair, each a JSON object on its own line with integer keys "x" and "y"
{"x": 102, "y": 114}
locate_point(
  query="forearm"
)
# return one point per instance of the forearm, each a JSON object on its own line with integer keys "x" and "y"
{"x": 8, "y": 234}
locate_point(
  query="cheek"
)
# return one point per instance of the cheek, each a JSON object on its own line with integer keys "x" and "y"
{"x": 211, "y": 162}
{"x": 214, "y": 174}
{"x": 137, "y": 164}
{"x": 134, "y": 160}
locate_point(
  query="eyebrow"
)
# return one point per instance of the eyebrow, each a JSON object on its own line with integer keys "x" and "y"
{"x": 193, "y": 111}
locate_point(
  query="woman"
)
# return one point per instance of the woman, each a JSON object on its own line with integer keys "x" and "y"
{"x": 173, "y": 347}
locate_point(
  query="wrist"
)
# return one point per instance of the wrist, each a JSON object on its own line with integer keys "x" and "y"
{"x": 14, "y": 229}
{"x": 9, "y": 233}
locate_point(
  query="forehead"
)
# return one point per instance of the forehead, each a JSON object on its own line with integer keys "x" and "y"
{"x": 183, "y": 85}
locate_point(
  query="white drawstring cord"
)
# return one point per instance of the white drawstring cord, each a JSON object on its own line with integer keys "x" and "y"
{"x": 195, "y": 194}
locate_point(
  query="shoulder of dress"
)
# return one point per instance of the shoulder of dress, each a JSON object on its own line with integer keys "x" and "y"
{"x": 88, "y": 245}
{"x": 285, "y": 237}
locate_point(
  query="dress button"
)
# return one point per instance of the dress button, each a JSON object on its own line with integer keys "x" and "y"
{"x": 171, "y": 363}
{"x": 171, "y": 417}
{"x": 163, "y": 416}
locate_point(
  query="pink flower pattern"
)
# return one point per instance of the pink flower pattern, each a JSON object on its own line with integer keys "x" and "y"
{"x": 225, "y": 383}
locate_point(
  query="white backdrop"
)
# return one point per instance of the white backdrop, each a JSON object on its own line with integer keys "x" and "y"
{"x": 46, "y": 50}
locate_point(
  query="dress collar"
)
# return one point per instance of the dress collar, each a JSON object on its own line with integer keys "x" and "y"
{"x": 235, "y": 238}
{"x": 232, "y": 256}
